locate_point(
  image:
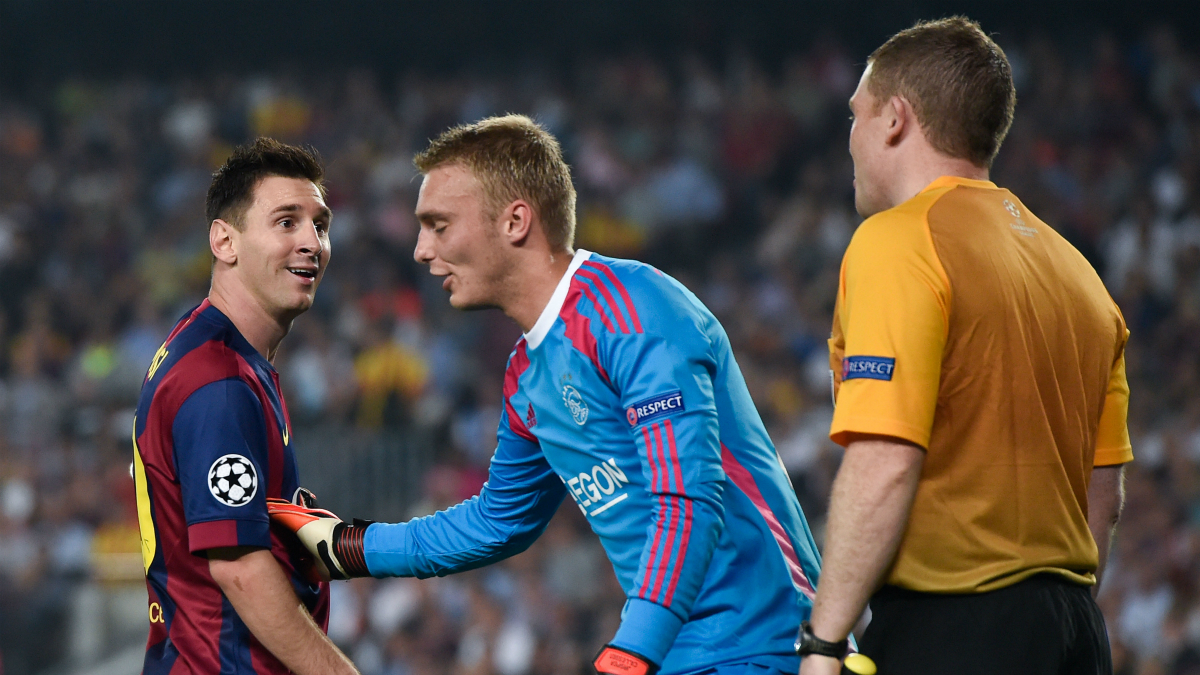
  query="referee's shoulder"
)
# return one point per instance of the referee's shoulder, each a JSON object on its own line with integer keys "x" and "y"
{"x": 903, "y": 226}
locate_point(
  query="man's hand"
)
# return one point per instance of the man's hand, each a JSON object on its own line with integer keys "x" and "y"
{"x": 819, "y": 665}
{"x": 336, "y": 546}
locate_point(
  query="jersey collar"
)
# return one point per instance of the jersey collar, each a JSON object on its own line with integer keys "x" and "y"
{"x": 538, "y": 333}
{"x": 957, "y": 181}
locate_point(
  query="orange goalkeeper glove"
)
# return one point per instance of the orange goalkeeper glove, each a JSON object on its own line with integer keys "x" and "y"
{"x": 337, "y": 548}
{"x": 616, "y": 661}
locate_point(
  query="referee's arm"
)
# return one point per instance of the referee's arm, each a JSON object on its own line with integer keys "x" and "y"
{"x": 868, "y": 512}
{"x": 1106, "y": 500}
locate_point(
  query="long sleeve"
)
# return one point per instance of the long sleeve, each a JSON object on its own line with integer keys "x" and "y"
{"x": 666, "y": 387}
{"x": 519, "y": 499}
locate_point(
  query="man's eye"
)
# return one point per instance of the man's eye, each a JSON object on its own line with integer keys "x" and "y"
{"x": 286, "y": 222}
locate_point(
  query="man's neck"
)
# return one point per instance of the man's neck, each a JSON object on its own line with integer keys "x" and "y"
{"x": 263, "y": 331}
{"x": 532, "y": 285}
{"x": 929, "y": 166}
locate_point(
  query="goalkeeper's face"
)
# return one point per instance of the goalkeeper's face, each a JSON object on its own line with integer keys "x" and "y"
{"x": 460, "y": 239}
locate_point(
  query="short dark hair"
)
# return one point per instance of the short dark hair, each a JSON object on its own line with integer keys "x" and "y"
{"x": 513, "y": 157}
{"x": 958, "y": 81}
{"x": 232, "y": 187}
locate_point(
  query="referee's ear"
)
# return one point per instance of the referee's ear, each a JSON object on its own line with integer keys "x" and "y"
{"x": 901, "y": 119}
{"x": 221, "y": 241}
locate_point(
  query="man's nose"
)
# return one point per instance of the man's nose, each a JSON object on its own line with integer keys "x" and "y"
{"x": 310, "y": 241}
{"x": 423, "y": 253}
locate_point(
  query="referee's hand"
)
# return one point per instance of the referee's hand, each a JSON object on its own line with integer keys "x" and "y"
{"x": 819, "y": 665}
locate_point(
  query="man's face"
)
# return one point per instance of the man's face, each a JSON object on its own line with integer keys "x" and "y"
{"x": 458, "y": 240}
{"x": 868, "y": 142}
{"x": 283, "y": 245}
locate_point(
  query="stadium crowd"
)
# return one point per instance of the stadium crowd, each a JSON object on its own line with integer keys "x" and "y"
{"x": 731, "y": 175}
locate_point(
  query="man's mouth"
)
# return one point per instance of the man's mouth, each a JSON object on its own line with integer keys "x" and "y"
{"x": 308, "y": 273}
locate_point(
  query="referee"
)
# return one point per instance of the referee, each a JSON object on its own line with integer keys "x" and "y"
{"x": 979, "y": 375}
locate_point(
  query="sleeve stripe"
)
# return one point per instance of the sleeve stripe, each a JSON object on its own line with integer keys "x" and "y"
{"x": 687, "y": 517}
{"x": 633, "y": 315}
{"x": 687, "y": 531}
{"x": 665, "y": 561}
{"x": 679, "y": 487}
{"x": 599, "y": 308}
{"x": 608, "y": 296}
{"x": 666, "y": 514}
{"x": 654, "y": 479}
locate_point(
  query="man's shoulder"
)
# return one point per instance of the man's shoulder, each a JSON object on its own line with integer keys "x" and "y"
{"x": 645, "y": 291}
{"x": 199, "y": 354}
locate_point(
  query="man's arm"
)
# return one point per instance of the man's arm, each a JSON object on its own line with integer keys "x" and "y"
{"x": 868, "y": 513}
{"x": 517, "y": 502}
{"x": 264, "y": 599}
{"x": 1106, "y": 499}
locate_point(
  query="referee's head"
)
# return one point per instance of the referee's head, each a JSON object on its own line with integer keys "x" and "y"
{"x": 948, "y": 75}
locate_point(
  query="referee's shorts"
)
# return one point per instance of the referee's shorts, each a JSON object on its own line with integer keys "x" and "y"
{"x": 1044, "y": 625}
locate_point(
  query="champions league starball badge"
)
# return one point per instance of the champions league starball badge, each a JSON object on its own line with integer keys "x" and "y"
{"x": 232, "y": 480}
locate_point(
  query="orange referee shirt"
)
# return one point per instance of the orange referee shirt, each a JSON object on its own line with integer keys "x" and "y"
{"x": 967, "y": 326}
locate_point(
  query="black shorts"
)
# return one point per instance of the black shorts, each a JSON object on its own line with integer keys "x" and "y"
{"x": 1044, "y": 625}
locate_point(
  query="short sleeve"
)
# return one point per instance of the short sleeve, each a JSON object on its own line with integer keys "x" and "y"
{"x": 1112, "y": 437}
{"x": 889, "y": 332}
{"x": 220, "y": 442}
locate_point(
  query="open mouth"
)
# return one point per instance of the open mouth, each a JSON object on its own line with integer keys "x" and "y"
{"x": 303, "y": 272}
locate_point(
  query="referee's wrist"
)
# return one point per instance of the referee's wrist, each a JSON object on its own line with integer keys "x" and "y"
{"x": 810, "y": 644}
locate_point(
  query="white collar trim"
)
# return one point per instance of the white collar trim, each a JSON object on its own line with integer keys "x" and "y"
{"x": 550, "y": 314}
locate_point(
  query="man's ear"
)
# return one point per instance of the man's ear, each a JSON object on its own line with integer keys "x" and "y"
{"x": 900, "y": 117}
{"x": 518, "y": 222}
{"x": 222, "y": 241}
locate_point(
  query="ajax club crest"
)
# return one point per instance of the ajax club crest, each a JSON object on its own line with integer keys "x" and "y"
{"x": 575, "y": 403}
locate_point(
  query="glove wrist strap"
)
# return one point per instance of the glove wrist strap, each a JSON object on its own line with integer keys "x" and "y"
{"x": 616, "y": 661}
{"x": 348, "y": 548}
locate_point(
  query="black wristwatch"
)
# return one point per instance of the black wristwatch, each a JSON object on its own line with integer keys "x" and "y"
{"x": 807, "y": 643}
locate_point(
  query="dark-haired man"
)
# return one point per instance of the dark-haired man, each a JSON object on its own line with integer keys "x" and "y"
{"x": 624, "y": 395}
{"x": 981, "y": 393}
{"x": 212, "y": 440}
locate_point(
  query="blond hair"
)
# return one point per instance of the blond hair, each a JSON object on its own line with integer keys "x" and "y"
{"x": 513, "y": 157}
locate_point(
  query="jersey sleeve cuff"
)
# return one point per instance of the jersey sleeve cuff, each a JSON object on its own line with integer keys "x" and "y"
{"x": 1113, "y": 456}
{"x": 227, "y": 533}
{"x": 384, "y": 550}
{"x": 844, "y": 428}
{"x": 647, "y": 628}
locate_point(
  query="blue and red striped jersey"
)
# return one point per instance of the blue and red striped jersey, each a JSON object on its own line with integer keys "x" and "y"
{"x": 211, "y": 442}
{"x": 626, "y": 396}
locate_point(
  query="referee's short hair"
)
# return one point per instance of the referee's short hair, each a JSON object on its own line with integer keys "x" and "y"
{"x": 958, "y": 81}
{"x": 513, "y": 158}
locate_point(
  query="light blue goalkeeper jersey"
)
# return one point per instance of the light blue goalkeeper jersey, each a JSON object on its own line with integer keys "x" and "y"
{"x": 626, "y": 396}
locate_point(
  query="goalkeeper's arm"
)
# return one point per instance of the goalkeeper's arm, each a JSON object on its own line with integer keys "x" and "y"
{"x": 336, "y": 546}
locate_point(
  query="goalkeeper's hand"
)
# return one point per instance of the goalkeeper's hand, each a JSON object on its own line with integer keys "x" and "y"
{"x": 616, "y": 661}
{"x": 337, "y": 548}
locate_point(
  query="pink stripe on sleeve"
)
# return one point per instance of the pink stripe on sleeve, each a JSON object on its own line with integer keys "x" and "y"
{"x": 745, "y": 482}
